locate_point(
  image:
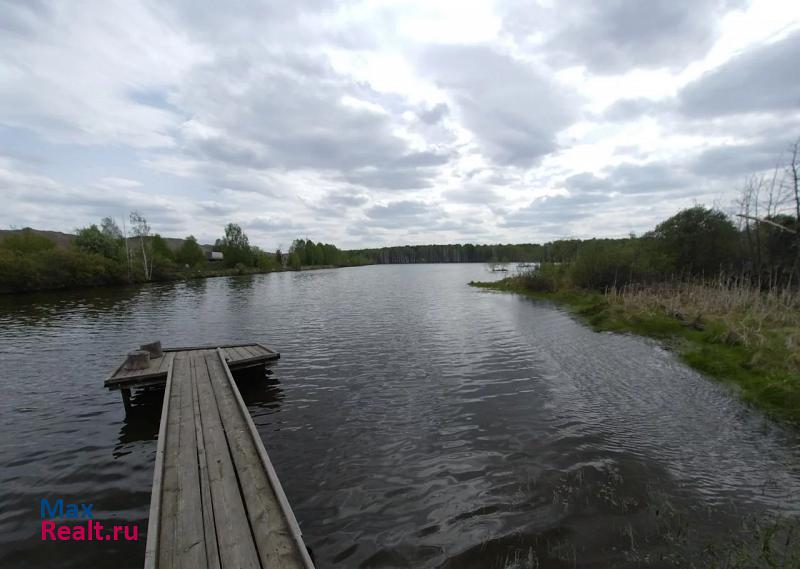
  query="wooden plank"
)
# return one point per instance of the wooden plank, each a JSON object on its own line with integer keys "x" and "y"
{"x": 153, "y": 530}
{"x": 273, "y": 540}
{"x": 167, "y": 521}
{"x": 236, "y": 547}
{"x": 190, "y": 548}
{"x": 207, "y": 347}
{"x": 231, "y": 353}
{"x": 237, "y": 364}
{"x": 279, "y": 540}
{"x": 238, "y": 353}
{"x": 209, "y": 525}
{"x": 247, "y": 351}
{"x": 131, "y": 383}
{"x": 136, "y": 374}
{"x": 166, "y": 361}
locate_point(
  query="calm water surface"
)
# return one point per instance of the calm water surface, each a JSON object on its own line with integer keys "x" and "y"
{"x": 417, "y": 423}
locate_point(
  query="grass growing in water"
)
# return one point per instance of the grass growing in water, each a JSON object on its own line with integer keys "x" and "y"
{"x": 729, "y": 330}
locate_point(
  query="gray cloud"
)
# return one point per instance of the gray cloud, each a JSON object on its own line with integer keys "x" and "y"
{"x": 554, "y": 211}
{"x": 630, "y": 109}
{"x": 738, "y": 160}
{"x": 433, "y": 114}
{"x": 22, "y": 16}
{"x": 632, "y": 179}
{"x": 479, "y": 195}
{"x": 404, "y": 214}
{"x": 336, "y": 204}
{"x": 764, "y": 79}
{"x": 613, "y": 37}
{"x": 290, "y": 114}
{"x": 273, "y": 224}
{"x": 513, "y": 110}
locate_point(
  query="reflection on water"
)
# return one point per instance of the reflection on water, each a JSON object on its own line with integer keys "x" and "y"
{"x": 414, "y": 422}
{"x": 141, "y": 423}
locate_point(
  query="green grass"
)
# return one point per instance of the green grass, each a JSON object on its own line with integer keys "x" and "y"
{"x": 764, "y": 374}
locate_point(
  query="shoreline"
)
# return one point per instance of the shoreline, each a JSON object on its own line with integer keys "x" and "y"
{"x": 702, "y": 344}
{"x": 182, "y": 277}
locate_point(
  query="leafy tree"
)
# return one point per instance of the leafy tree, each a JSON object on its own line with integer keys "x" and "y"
{"x": 160, "y": 248}
{"x": 263, "y": 260}
{"x": 94, "y": 240}
{"x": 190, "y": 253}
{"x": 698, "y": 240}
{"x": 110, "y": 228}
{"x": 235, "y": 247}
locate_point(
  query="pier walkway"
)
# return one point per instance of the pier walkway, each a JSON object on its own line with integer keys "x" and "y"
{"x": 216, "y": 501}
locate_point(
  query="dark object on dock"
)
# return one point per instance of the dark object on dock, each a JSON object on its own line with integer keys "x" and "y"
{"x": 136, "y": 360}
{"x": 217, "y": 501}
{"x": 153, "y": 348}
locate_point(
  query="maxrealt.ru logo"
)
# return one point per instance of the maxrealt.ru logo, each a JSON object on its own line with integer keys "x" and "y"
{"x": 75, "y": 523}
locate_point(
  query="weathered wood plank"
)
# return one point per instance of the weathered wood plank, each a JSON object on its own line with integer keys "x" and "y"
{"x": 209, "y": 524}
{"x": 236, "y": 547}
{"x": 166, "y": 361}
{"x": 153, "y": 529}
{"x": 167, "y": 525}
{"x": 274, "y": 541}
{"x": 255, "y": 351}
{"x": 279, "y": 540}
{"x": 207, "y": 347}
{"x": 239, "y": 353}
{"x": 190, "y": 548}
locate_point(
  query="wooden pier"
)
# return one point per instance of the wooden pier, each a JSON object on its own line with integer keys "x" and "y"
{"x": 217, "y": 501}
{"x": 238, "y": 357}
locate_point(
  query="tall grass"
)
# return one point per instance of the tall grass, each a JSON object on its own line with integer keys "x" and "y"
{"x": 750, "y": 315}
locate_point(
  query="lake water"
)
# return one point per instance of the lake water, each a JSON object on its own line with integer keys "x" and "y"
{"x": 417, "y": 422}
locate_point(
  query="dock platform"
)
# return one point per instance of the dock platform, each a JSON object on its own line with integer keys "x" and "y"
{"x": 216, "y": 501}
{"x": 238, "y": 357}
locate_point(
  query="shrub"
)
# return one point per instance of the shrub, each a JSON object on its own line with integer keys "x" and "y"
{"x": 190, "y": 253}
{"x": 26, "y": 242}
{"x": 547, "y": 277}
{"x": 92, "y": 240}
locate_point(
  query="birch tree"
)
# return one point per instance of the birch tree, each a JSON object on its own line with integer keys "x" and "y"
{"x": 141, "y": 230}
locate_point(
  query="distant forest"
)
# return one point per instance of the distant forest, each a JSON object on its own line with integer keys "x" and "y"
{"x": 556, "y": 251}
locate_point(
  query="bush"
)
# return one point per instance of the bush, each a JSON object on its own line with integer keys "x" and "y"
{"x": 190, "y": 253}
{"x": 92, "y": 240}
{"x": 57, "y": 268}
{"x": 547, "y": 277}
{"x": 27, "y": 242}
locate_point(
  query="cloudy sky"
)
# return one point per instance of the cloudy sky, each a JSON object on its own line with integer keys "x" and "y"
{"x": 387, "y": 122}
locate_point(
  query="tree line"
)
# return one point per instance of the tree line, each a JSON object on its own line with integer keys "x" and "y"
{"x": 468, "y": 253}
{"x": 107, "y": 254}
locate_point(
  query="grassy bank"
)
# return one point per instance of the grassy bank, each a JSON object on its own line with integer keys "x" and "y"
{"x": 746, "y": 338}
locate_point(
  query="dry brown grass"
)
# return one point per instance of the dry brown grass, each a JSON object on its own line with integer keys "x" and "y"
{"x": 751, "y": 316}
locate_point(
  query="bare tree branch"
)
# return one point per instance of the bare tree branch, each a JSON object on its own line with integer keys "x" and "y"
{"x": 767, "y": 221}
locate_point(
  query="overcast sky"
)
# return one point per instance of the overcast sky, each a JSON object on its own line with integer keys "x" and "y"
{"x": 382, "y": 122}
